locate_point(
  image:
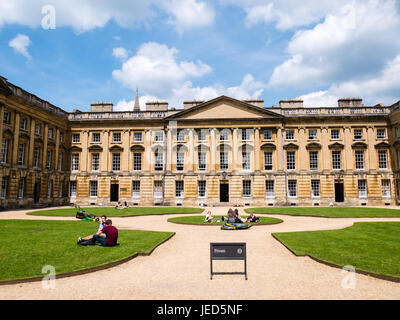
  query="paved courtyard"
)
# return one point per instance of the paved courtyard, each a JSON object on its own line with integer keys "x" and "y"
{"x": 179, "y": 268}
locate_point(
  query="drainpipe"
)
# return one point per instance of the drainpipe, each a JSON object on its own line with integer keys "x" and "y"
{"x": 283, "y": 164}
{"x": 166, "y": 161}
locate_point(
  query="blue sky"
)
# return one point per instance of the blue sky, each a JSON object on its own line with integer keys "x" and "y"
{"x": 177, "y": 50}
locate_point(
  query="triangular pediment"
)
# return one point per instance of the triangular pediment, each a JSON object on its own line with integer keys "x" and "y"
{"x": 224, "y": 108}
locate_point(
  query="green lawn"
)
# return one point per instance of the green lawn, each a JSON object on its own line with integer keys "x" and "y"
{"x": 28, "y": 245}
{"x": 200, "y": 220}
{"x": 368, "y": 246}
{"x": 329, "y": 212}
{"x": 111, "y": 212}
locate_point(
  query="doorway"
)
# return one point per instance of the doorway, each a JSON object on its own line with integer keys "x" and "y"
{"x": 224, "y": 192}
{"x": 36, "y": 192}
{"x": 114, "y": 192}
{"x": 339, "y": 192}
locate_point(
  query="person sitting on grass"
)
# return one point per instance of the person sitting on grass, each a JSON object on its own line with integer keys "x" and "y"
{"x": 209, "y": 217}
{"x": 238, "y": 219}
{"x": 252, "y": 218}
{"x": 231, "y": 218}
{"x": 107, "y": 236}
{"x": 102, "y": 224}
{"x": 126, "y": 205}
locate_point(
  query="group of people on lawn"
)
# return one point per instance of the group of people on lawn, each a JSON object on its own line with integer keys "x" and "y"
{"x": 233, "y": 216}
{"x": 121, "y": 205}
{"x": 107, "y": 234}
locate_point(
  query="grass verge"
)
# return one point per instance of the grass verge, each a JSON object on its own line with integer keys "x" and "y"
{"x": 199, "y": 220}
{"x": 371, "y": 247}
{"x": 111, "y": 212}
{"x": 28, "y": 245}
{"x": 328, "y": 212}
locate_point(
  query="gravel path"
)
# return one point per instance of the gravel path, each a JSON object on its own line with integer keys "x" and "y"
{"x": 179, "y": 269}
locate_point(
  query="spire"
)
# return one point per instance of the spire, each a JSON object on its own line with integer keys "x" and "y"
{"x": 136, "y": 106}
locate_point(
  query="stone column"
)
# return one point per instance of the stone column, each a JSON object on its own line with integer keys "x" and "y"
{"x": 105, "y": 153}
{"x": 31, "y": 143}
{"x": 84, "y": 154}
{"x": 371, "y": 152}
{"x": 279, "y": 146}
{"x": 213, "y": 150}
{"x": 1, "y": 124}
{"x": 257, "y": 149}
{"x": 169, "y": 150}
{"x": 347, "y": 156}
{"x": 235, "y": 149}
{"x": 147, "y": 152}
{"x": 191, "y": 150}
{"x": 125, "y": 159}
{"x": 302, "y": 141}
{"x": 325, "y": 156}
{"x": 16, "y": 138}
{"x": 45, "y": 140}
{"x": 57, "y": 150}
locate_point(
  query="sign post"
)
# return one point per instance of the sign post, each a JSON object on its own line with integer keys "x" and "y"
{"x": 228, "y": 251}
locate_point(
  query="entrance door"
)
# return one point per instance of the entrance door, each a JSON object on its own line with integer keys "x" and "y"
{"x": 224, "y": 192}
{"x": 114, "y": 192}
{"x": 339, "y": 192}
{"x": 36, "y": 192}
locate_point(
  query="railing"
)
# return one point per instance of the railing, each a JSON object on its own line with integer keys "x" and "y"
{"x": 333, "y": 111}
{"x": 124, "y": 115}
{"x": 37, "y": 101}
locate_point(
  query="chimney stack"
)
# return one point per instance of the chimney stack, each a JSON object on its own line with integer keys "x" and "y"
{"x": 350, "y": 103}
{"x": 101, "y": 107}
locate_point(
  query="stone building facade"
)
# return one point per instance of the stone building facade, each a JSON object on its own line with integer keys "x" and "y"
{"x": 34, "y": 136}
{"x": 218, "y": 152}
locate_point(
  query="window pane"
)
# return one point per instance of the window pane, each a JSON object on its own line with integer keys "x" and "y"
{"x": 246, "y": 188}
{"x": 382, "y": 154}
{"x": 269, "y": 188}
{"x": 179, "y": 189}
{"x": 336, "y": 160}
{"x": 315, "y": 188}
{"x": 93, "y": 188}
{"x": 362, "y": 188}
{"x": 137, "y": 161}
{"x": 201, "y": 187}
{"x": 267, "y": 160}
{"x": 292, "y": 188}
{"x": 202, "y": 160}
{"x": 291, "y": 161}
{"x": 313, "y": 160}
{"x": 136, "y": 189}
{"x": 359, "y": 160}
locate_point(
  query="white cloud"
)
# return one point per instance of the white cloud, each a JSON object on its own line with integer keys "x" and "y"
{"x": 120, "y": 53}
{"x": 384, "y": 88}
{"x": 157, "y": 72}
{"x": 20, "y": 44}
{"x": 155, "y": 69}
{"x": 124, "y": 105}
{"x": 187, "y": 14}
{"x": 285, "y": 14}
{"x": 195, "y": 69}
{"x": 90, "y": 14}
{"x": 351, "y": 43}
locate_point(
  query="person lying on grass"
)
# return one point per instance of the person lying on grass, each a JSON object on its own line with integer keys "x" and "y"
{"x": 107, "y": 236}
{"x": 252, "y": 218}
